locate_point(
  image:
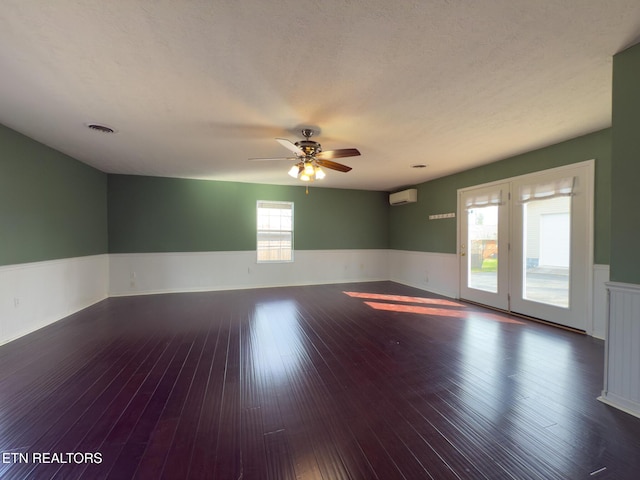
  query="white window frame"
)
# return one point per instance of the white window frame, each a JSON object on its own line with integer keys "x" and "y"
{"x": 274, "y": 254}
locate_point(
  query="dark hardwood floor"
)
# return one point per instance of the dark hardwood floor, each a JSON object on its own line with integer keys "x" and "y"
{"x": 361, "y": 381}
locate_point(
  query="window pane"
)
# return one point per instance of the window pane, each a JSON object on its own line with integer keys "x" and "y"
{"x": 275, "y": 232}
{"x": 483, "y": 249}
{"x": 273, "y": 251}
{"x": 547, "y": 251}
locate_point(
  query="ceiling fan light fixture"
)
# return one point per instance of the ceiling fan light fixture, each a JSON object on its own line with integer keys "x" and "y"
{"x": 310, "y": 156}
{"x": 309, "y": 169}
{"x": 294, "y": 171}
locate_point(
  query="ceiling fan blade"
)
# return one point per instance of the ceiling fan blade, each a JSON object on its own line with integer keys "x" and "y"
{"x": 341, "y": 153}
{"x": 332, "y": 165}
{"x": 274, "y": 158}
{"x": 289, "y": 145}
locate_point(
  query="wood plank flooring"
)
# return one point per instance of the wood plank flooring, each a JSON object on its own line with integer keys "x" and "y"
{"x": 354, "y": 381}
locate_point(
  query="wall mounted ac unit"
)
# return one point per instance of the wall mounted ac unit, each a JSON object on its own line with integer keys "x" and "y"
{"x": 405, "y": 196}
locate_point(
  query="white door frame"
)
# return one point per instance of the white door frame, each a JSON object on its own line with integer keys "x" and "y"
{"x": 587, "y": 190}
{"x": 499, "y": 298}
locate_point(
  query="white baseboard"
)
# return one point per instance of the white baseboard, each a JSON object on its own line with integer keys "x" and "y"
{"x": 149, "y": 273}
{"x": 33, "y": 295}
{"x": 632, "y": 408}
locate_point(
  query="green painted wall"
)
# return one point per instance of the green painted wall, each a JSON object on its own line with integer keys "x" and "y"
{"x": 411, "y": 228}
{"x": 152, "y": 214}
{"x": 51, "y": 206}
{"x": 625, "y": 197}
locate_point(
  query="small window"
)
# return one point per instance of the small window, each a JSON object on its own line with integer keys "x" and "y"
{"x": 275, "y": 231}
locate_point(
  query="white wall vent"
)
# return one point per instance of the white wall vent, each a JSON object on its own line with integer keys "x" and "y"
{"x": 405, "y": 196}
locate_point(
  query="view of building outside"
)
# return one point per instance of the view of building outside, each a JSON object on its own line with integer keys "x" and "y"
{"x": 546, "y": 248}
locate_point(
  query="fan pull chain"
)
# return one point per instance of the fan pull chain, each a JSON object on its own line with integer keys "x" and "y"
{"x": 307, "y": 191}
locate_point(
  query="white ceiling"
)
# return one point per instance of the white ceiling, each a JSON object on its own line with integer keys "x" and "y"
{"x": 195, "y": 88}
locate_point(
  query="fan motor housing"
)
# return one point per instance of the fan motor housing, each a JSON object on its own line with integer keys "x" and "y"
{"x": 309, "y": 147}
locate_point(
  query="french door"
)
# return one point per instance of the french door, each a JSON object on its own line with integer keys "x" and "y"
{"x": 484, "y": 249}
{"x": 526, "y": 244}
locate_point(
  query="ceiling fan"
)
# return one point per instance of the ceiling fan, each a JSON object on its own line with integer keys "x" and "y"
{"x": 310, "y": 158}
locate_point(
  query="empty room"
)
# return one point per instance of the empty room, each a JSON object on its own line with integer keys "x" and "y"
{"x": 319, "y": 240}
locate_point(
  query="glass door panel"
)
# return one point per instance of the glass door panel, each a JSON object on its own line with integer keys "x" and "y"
{"x": 552, "y": 245}
{"x": 482, "y": 263}
{"x": 546, "y": 249}
{"x": 484, "y": 222}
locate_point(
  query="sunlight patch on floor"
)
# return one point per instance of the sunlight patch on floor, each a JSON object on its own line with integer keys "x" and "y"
{"x": 404, "y": 305}
{"x": 403, "y": 298}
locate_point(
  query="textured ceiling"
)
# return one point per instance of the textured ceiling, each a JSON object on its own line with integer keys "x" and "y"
{"x": 195, "y": 88}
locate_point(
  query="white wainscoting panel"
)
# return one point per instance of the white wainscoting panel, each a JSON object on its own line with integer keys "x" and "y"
{"x": 622, "y": 352}
{"x": 149, "y": 273}
{"x": 433, "y": 272}
{"x": 600, "y": 280}
{"x": 36, "y": 294}
{"x": 33, "y": 295}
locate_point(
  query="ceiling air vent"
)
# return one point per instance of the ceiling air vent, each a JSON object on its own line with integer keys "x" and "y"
{"x": 100, "y": 128}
